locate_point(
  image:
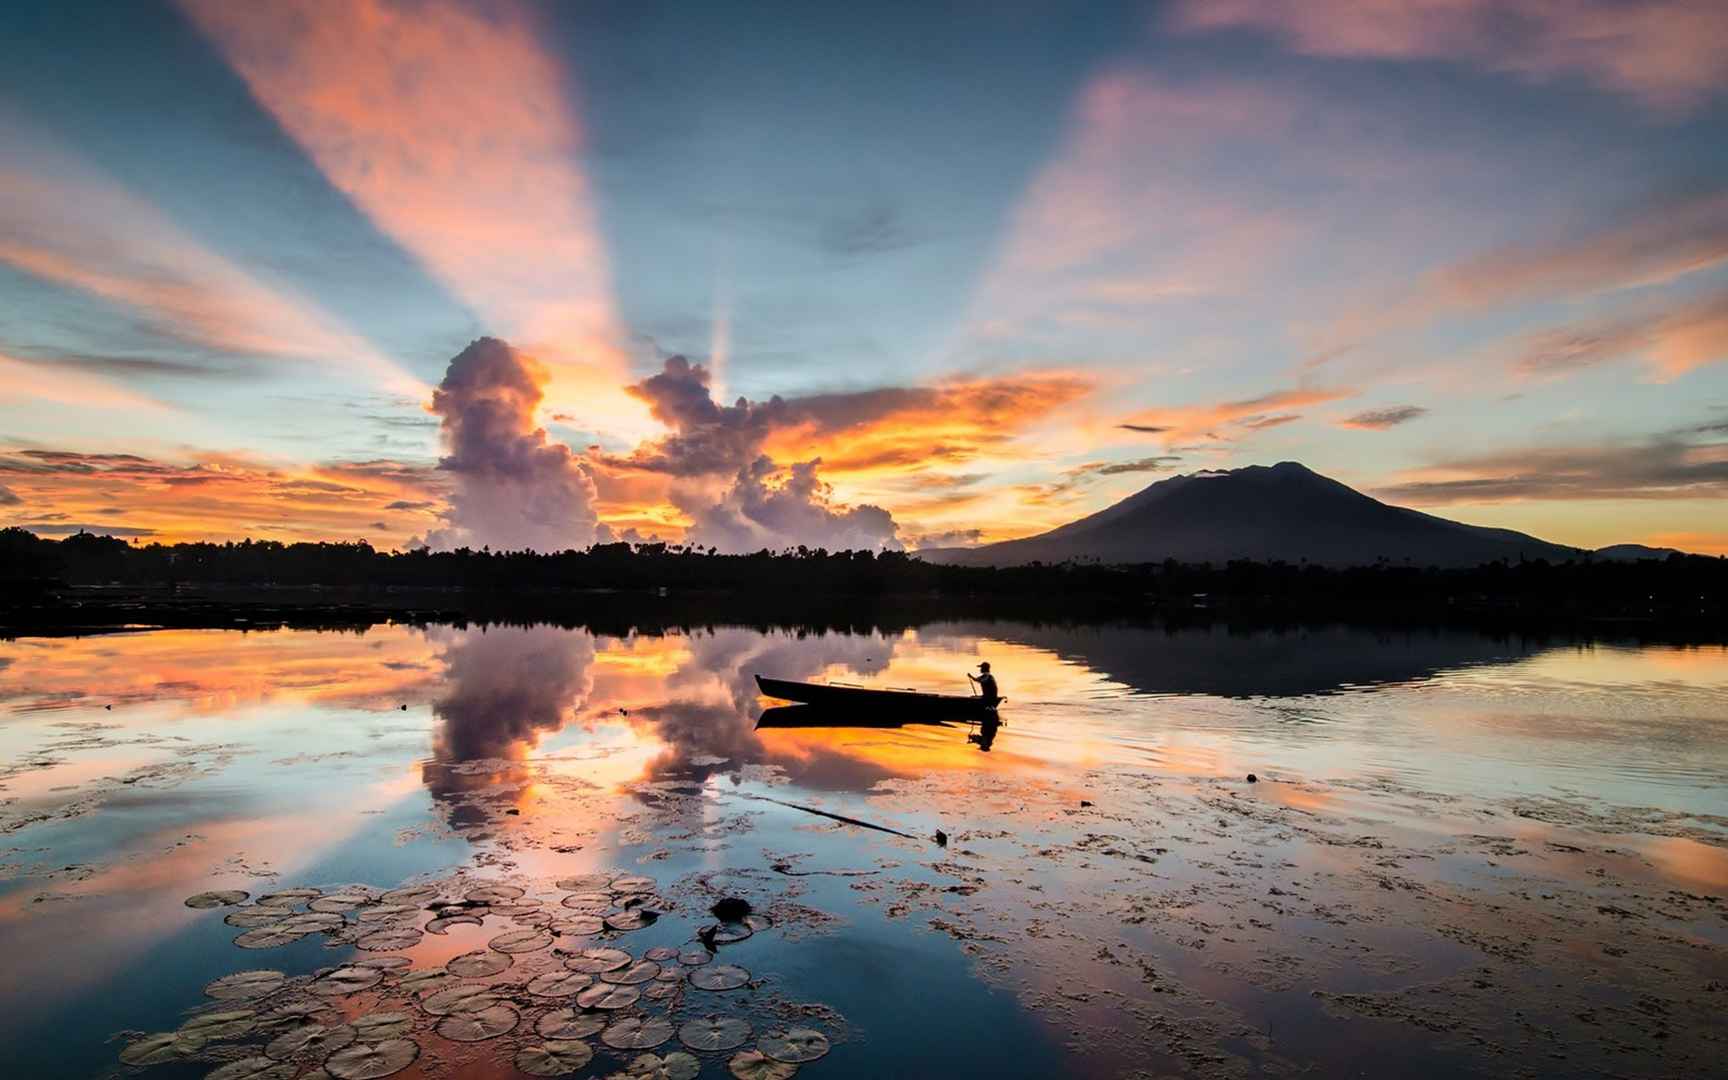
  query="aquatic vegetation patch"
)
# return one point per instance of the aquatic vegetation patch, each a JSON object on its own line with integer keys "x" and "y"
{"x": 794, "y": 1046}
{"x": 715, "y": 1032}
{"x": 554, "y": 1057}
{"x": 755, "y": 1065}
{"x": 370, "y": 1061}
{"x": 245, "y": 984}
{"x": 227, "y": 898}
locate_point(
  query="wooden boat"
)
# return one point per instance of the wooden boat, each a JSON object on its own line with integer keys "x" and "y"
{"x": 892, "y": 706}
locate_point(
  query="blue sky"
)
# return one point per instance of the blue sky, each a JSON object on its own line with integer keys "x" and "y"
{"x": 1470, "y": 257}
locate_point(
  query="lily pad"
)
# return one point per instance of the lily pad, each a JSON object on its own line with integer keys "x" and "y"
{"x": 637, "y": 1033}
{"x": 478, "y": 1025}
{"x": 632, "y": 883}
{"x": 755, "y": 1065}
{"x": 388, "y": 913}
{"x": 794, "y": 1046}
{"x": 634, "y": 919}
{"x": 563, "y": 1024}
{"x": 579, "y": 925}
{"x": 725, "y": 933}
{"x": 493, "y": 894}
{"x": 314, "y": 1039}
{"x": 719, "y": 977}
{"x": 453, "y": 999}
{"x": 715, "y": 1032}
{"x": 163, "y": 1046}
{"x": 311, "y": 922}
{"x": 758, "y": 923}
{"x": 245, "y": 984}
{"x": 584, "y": 904}
{"x": 347, "y": 979}
{"x": 443, "y": 923}
{"x": 660, "y": 991}
{"x": 539, "y": 920}
{"x": 478, "y": 964}
{"x": 674, "y": 1066}
{"x": 639, "y": 972}
{"x": 608, "y": 996}
{"x": 695, "y": 957}
{"x": 557, "y": 984}
{"x": 595, "y": 961}
{"x": 369, "y": 1061}
{"x": 554, "y": 1058}
{"x": 391, "y": 938}
{"x": 389, "y": 965}
{"x": 223, "y": 898}
{"x": 228, "y": 1024}
{"x": 520, "y": 941}
{"x": 295, "y": 1013}
{"x": 267, "y": 937}
{"x": 660, "y": 954}
{"x": 382, "y": 1025}
{"x": 255, "y": 1068}
{"x": 411, "y": 894}
{"x": 253, "y": 917}
{"x": 338, "y": 902}
{"x": 584, "y": 882}
{"x": 287, "y": 898}
{"x": 425, "y": 980}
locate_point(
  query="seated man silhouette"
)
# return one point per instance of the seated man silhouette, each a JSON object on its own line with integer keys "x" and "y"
{"x": 986, "y": 683}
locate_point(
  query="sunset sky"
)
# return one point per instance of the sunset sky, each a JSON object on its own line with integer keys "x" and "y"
{"x": 1002, "y": 264}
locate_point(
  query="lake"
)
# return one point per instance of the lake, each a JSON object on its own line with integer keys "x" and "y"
{"x": 1461, "y": 854}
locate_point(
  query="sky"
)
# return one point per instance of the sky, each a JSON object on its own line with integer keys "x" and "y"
{"x": 456, "y": 272}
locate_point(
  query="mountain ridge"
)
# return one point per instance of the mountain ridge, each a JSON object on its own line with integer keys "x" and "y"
{"x": 1283, "y": 512}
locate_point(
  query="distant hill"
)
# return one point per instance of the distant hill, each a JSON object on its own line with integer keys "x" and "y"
{"x": 1285, "y": 511}
{"x": 1634, "y": 552}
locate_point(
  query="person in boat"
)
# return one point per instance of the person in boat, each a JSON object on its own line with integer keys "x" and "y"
{"x": 986, "y": 683}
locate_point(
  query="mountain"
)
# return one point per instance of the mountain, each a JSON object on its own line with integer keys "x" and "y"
{"x": 1633, "y": 552}
{"x": 1284, "y": 511}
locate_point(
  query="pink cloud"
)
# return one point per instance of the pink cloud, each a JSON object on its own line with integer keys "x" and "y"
{"x": 1666, "y": 54}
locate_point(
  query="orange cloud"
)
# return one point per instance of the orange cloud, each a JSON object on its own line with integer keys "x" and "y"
{"x": 35, "y": 382}
{"x": 217, "y": 497}
{"x": 64, "y": 222}
{"x": 452, "y": 129}
{"x": 1227, "y": 420}
{"x": 1664, "y": 53}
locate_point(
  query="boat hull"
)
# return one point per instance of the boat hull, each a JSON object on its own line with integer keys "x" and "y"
{"x": 892, "y": 706}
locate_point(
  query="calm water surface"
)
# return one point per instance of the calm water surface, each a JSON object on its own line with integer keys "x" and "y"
{"x": 1446, "y": 825}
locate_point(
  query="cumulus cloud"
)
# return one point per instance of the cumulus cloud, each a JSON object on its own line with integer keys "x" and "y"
{"x": 768, "y": 506}
{"x": 1663, "y": 53}
{"x": 1381, "y": 419}
{"x": 947, "y": 539}
{"x": 514, "y": 486}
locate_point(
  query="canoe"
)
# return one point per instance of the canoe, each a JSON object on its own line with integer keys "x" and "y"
{"x": 893, "y": 706}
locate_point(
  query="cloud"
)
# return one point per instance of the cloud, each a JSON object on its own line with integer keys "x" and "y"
{"x": 1663, "y": 53}
{"x": 1225, "y": 421}
{"x": 451, "y": 126}
{"x": 947, "y": 539}
{"x": 410, "y": 504}
{"x": 1672, "y": 342}
{"x": 1664, "y": 468}
{"x": 1144, "y": 429}
{"x": 770, "y": 507}
{"x": 37, "y": 381}
{"x": 1381, "y": 419}
{"x": 219, "y": 496}
{"x": 514, "y": 487}
{"x": 1076, "y": 479}
{"x": 8, "y": 497}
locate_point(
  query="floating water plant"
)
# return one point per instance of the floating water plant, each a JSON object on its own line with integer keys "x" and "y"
{"x": 639, "y": 972}
{"x": 660, "y": 954}
{"x": 255, "y": 1068}
{"x": 633, "y": 919}
{"x": 715, "y": 1033}
{"x": 253, "y": 917}
{"x": 369, "y": 1061}
{"x": 719, "y": 977}
{"x": 632, "y": 883}
{"x": 755, "y": 1065}
{"x": 226, "y": 898}
{"x": 674, "y": 1066}
{"x": 794, "y": 1046}
{"x": 388, "y": 940}
{"x": 521, "y": 941}
{"x": 287, "y": 898}
{"x": 381, "y": 1025}
{"x": 245, "y": 984}
{"x": 478, "y": 965}
{"x": 478, "y": 1025}
{"x": 579, "y": 925}
{"x": 491, "y": 894}
{"x": 596, "y": 960}
{"x": 608, "y": 996}
{"x": 557, "y": 984}
{"x": 317, "y": 1039}
{"x": 229, "y": 1024}
{"x": 554, "y": 1058}
{"x": 457, "y": 998}
{"x": 444, "y": 922}
{"x": 389, "y": 965}
{"x": 347, "y": 979}
{"x": 584, "y": 882}
{"x": 412, "y": 894}
{"x": 565, "y": 1024}
{"x": 164, "y": 1046}
{"x": 267, "y": 937}
{"x": 637, "y": 1033}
